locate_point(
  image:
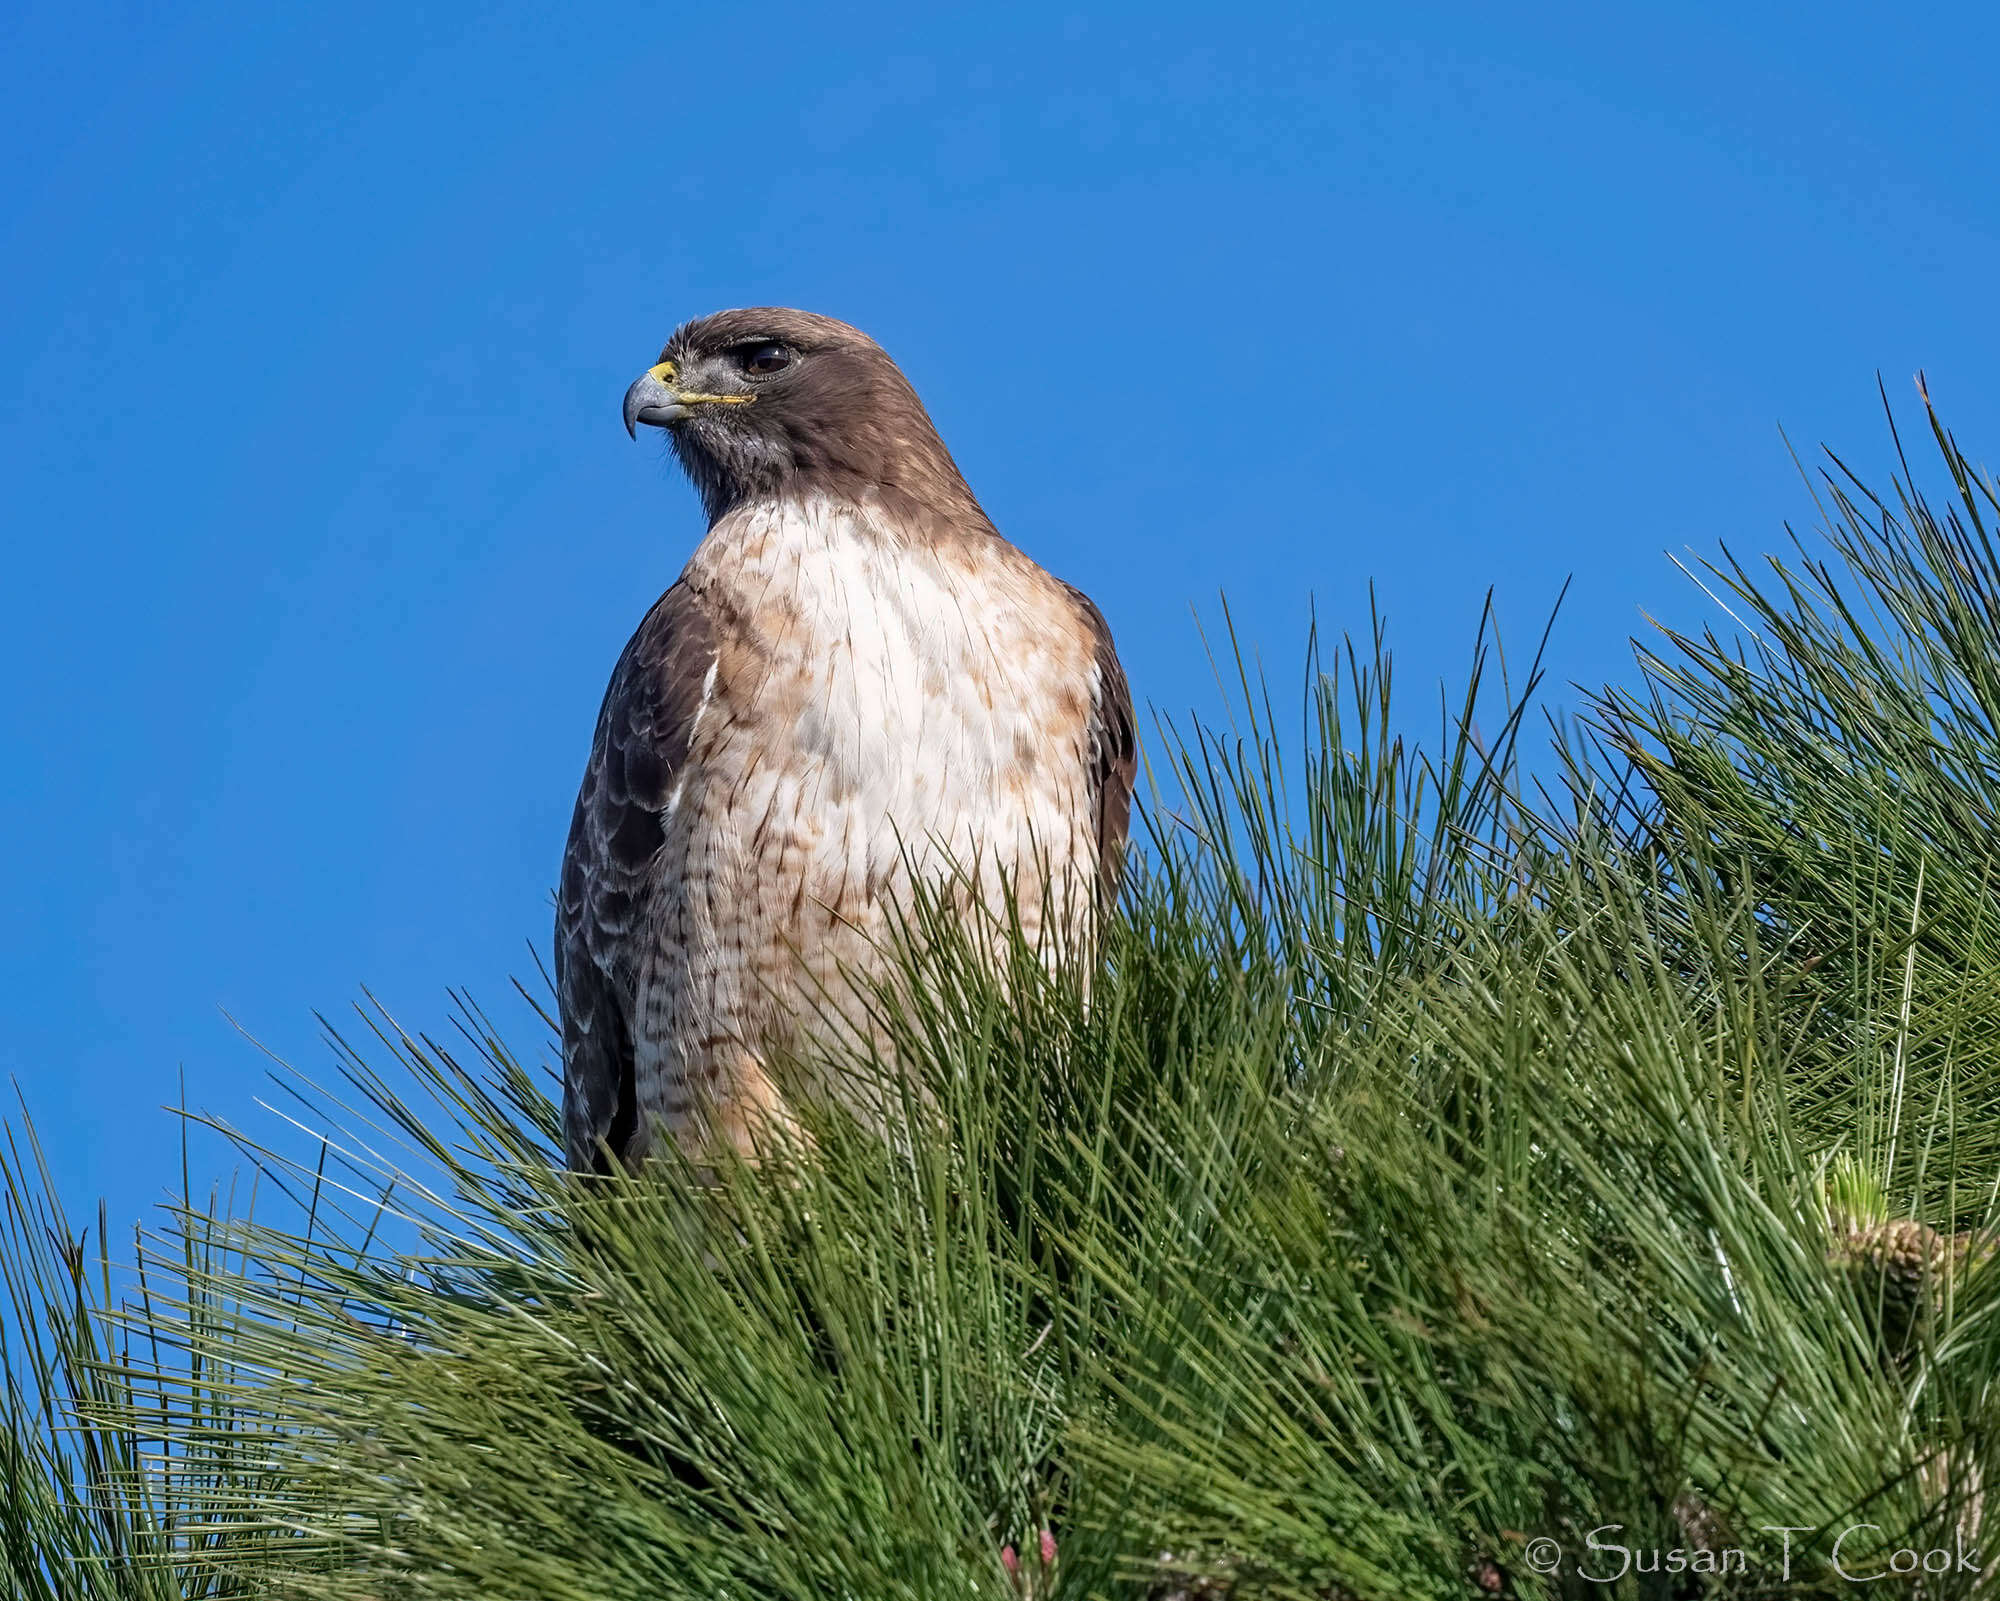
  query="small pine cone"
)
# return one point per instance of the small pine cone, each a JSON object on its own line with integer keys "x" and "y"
{"x": 1896, "y": 1265}
{"x": 1955, "y": 1480}
{"x": 1973, "y": 1251}
{"x": 1178, "y": 1584}
{"x": 1700, "y": 1524}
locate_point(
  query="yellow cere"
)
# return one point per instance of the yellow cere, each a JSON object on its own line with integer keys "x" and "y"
{"x": 664, "y": 372}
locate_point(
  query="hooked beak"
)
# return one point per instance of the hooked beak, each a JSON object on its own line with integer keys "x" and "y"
{"x": 654, "y": 400}
{"x": 651, "y": 401}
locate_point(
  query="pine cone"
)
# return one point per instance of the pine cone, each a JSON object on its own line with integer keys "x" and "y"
{"x": 1183, "y": 1579}
{"x": 1896, "y": 1266}
{"x": 1700, "y": 1524}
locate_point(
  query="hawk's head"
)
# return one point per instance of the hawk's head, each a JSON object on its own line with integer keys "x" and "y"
{"x": 767, "y": 403}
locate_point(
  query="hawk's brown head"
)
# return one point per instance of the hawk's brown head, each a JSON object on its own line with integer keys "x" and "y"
{"x": 767, "y": 403}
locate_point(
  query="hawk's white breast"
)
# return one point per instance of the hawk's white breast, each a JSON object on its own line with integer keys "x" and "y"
{"x": 877, "y": 704}
{"x": 936, "y": 695}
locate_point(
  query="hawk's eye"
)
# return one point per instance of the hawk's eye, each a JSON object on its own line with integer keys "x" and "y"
{"x": 762, "y": 360}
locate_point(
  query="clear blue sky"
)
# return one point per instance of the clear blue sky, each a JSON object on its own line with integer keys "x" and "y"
{"x": 322, "y": 532}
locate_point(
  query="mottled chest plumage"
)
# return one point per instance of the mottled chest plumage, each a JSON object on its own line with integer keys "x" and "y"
{"x": 874, "y": 713}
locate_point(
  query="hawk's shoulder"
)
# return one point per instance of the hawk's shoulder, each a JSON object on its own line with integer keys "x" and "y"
{"x": 636, "y": 758}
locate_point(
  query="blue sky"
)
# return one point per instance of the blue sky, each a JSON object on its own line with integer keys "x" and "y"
{"x": 322, "y": 531}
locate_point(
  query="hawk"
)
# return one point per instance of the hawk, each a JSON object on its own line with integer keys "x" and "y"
{"x": 855, "y": 683}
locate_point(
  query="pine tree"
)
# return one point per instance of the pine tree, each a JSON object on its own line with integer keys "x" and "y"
{"x": 1445, "y": 1170}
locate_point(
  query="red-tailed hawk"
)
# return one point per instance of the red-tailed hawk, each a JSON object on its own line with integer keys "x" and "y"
{"x": 856, "y": 678}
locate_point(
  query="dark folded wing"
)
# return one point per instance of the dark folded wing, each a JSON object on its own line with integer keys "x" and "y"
{"x": 607, "y": 887}
{"x": 1113, "y": 752}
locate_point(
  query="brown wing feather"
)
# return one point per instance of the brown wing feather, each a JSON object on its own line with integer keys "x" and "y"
{"x": 1114, "y": 750}
{"x": 615, "y": 834}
